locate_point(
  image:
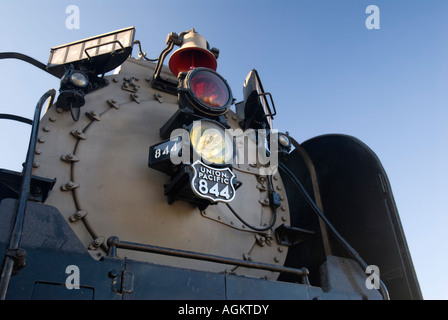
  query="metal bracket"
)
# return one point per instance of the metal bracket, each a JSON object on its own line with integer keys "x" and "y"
{"x": 113, "y": 103}
{"x": 78, "y": 215}
{"x": 92, "y": 115}
{"x": 292, "y": 236}
{"x": 18, "y": 256}
{"x": 130, "y": 85}
{"x": 78, "y": 134}
{"x": 10, "y": 186}
{"x": 135, "y": 97}
{"x": 70, "y": 157}
{"x": 69, "y": 186}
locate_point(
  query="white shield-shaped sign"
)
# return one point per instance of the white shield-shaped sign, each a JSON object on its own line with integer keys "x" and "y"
{"x": 213, "y": 183}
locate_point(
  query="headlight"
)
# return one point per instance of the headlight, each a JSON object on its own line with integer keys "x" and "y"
{"x": 79, "y": 79}
{"x": 212, "y": 142}
{"x": 284, "y": 141}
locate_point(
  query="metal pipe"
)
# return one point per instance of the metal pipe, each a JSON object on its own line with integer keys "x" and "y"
{"x": 114, "y": 242}
{"x": 354, "y": 254}
{"x": 23, "y": 196}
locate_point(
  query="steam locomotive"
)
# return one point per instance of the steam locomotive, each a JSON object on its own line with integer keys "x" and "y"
{"x": 150, "y": 181}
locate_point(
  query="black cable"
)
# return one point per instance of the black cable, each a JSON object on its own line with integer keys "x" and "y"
{"x": 355, "y": 255}
{"x": 274, "y": 211}
{"x": 142, "y": 53}
{"x": 75, "y": 118}
{"x": 274, "y": 219}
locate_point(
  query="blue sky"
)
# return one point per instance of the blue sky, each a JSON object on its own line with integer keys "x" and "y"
{"x": 327, "y": 73}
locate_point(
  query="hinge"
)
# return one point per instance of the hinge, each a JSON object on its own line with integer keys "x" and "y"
{"x": 122, "y": 281}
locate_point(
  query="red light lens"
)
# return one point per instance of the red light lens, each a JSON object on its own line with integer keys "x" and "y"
{"x": 209, "y": 88}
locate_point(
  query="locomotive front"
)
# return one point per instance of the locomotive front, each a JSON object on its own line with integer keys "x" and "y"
{"x": 152, "y": 182}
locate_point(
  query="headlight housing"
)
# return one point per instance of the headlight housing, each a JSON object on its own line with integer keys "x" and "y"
{"x": 211, "y": 142}
{"x": 206, "y": 91}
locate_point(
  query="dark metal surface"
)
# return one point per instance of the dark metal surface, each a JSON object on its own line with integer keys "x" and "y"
{"x": 292, "y": 236}
{"x": 10, "y": 182}
{"x": 357, "y": 199}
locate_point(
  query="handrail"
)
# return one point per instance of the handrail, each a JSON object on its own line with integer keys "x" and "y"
{"x": 14, "y": 250}
{"x": 8, "y": 116}
{"x": 114, "y": 243}
{"x": 28, "y": 59}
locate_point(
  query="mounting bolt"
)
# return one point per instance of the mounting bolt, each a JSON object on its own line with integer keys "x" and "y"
{"x": 134, "y": 97}
{"x": 69, "y": 186}
{"x": 69, "y": 157}
{"x": 113, "y": 273}
{"x": 78, "y": 134}
{"x": 96, "y": 243}
{"x": 159, "y": 97}
{"x": 113, "y": 103}
{"x": 78, "y": 216}
{"x": 92, "y": 115}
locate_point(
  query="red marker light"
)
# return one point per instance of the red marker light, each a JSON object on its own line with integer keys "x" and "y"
{"x": 209, "y": 88}
{"x": 206, "y": 91}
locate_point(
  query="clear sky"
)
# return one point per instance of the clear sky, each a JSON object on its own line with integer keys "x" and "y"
{"x": 327, "y": 72}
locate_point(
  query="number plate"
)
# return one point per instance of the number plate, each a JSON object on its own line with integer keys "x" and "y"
{"x": 212, "y": 183}
{"x": 160, "y": 155}
{"x": 162, "y": 151}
